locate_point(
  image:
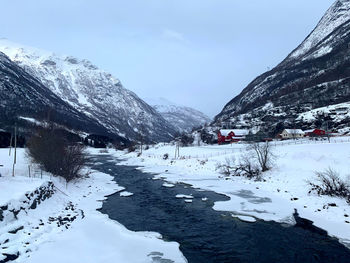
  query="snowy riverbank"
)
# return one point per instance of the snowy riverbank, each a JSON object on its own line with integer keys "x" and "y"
{"x": 285, "y": 187}
{"x": 67, "y": 227}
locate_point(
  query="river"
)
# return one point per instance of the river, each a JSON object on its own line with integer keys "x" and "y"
{"x": 206, "y": 235}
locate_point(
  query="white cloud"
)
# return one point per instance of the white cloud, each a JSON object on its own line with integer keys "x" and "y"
{"x": 172, "y": 35}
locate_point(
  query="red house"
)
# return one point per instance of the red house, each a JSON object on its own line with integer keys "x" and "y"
{"x": 229, "y": 136}
{"x": 315, "y": 132}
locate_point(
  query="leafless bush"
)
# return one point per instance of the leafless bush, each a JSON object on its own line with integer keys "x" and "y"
{"x": 203, "y": 162}
{"x": 246, "y": 168}
{"x": 131, "y": 148}
{"x": 263, "y": 154}
{"x": 227, "y": 167}
{"x": 73, "y": 161}
{"x": 329, "y": 183}
{"x": 56, "y": 155}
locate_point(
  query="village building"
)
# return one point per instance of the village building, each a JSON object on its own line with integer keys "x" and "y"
{"x": 292, "y": 134}
{"x": 315, "y": 133}
{"x": 231, "y": 135}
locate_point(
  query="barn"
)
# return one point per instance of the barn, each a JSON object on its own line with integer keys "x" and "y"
{"x": 315, "y": 133}
{"x": 230, "y": 136}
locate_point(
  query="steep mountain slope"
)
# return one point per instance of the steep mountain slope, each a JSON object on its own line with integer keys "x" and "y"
{"x": 24, "y": 98}
{"x": 314, "y": 75}
{"x": 181, "y": 117}
{"x": 92, "y": 92}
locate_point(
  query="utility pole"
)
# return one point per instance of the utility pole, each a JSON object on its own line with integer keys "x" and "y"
{"x": 142, "y": 128}
{"x": 177, "y": 149}
{"x": 10, "y": 145}
{"x": 327, "y": 131}
{"x": 15, "y": 155}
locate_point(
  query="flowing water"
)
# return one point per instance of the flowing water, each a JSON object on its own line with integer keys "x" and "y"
{"x": 206, "y": 235}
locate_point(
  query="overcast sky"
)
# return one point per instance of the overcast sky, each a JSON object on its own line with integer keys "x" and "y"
{"x": 199, "y": 53}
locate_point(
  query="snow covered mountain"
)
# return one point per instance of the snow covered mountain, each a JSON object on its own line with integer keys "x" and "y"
{"x": 92, "y": 92}
{"x": 181, "y": 117}
{"x": 315, "y": 75}
{"x": 24, "y": 99}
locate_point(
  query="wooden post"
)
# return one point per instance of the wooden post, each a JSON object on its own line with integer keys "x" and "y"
{"x": 10, "y": 145}
{"x": 176, "y": 145}
{"x": 15, "y": 155}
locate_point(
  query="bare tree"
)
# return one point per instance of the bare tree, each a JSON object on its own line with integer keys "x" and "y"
{"x": 56, "y": 155}
{"x": 73, "y": 162}
{"x": 263, "y": 154}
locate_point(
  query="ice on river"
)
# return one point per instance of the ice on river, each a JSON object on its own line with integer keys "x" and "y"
{"x": 125, "y": 194}
{"x": 184, "y": 196}
{"x": 168, "y": 185}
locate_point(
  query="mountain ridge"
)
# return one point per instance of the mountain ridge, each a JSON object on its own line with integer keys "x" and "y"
{"x": 91, "y": 91}
{"x": 183, "y": 118}
{"x": 308, "y": 78}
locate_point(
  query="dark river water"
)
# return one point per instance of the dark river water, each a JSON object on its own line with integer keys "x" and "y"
{"x": 206, "y": 235}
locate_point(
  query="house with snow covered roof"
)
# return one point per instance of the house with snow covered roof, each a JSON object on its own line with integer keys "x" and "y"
{"x": 231, "y": 135}
{"x": 315, "y": 132}
{"x": 292, "y": 134}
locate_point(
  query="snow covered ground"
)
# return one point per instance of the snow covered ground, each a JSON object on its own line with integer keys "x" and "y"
{"x": 285, "y": 187}
{"x": 67, "y": 227}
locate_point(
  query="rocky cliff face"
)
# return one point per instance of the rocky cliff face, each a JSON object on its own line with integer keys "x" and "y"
{"x": 184, "y": 119}
{"x": 315, "y": 75}
{"x": 91, "y": 92}
{"x": 25, "y": 100}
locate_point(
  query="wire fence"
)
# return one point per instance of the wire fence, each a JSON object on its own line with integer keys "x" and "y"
{"x": 239, "y": 149}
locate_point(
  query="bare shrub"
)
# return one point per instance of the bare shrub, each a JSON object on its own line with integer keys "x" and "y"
{"x": 329, "y": 183}
{"x": 258, "y": 159}
{"x": 263, "y": 154}
{"x": 73, "y": 161}
{"x": 131, "y": 148}
{"x": 203, "y": 162}
{"x": 44, "y": 148}
{"x": 227, "y": 167}
{"x": 246, "y": 168}
{"x": 56, "y": 155}
{"x": 186, "y": 139}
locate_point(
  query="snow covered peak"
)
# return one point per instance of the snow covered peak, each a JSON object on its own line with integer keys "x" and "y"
{"x": 181, "y": 117}
{"x": 30, "y": 55}
{"x": 336, "y": 15}
{"x": 160, "y": 101}
{"x": 92, "y": 91}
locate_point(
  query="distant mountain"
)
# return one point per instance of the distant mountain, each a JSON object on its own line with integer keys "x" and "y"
{"x": 25, "y": 100}
{"x": 315, "y": 75}
{"x": 92, "y": 92}
{"x": 181, "y": 117}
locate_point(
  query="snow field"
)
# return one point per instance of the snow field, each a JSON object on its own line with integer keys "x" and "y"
{"x": 68, "y": 228}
